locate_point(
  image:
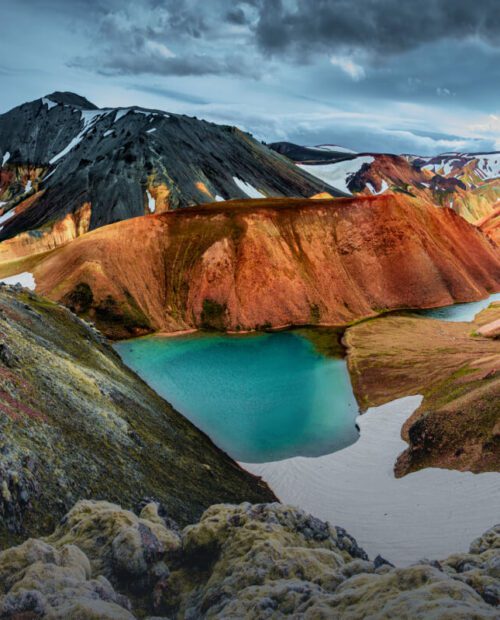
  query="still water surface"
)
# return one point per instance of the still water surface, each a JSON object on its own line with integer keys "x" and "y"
{"x": 260, "y": 398}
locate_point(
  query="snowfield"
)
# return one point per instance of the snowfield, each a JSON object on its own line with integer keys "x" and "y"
{"x": 339, "y": 173}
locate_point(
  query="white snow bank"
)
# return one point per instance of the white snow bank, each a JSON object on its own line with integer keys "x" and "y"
{"x": 25, "y": 279}
{"x": 338, "y": 174}
{"x": 219, "y": 198}
{"x": 431, "y": 513}
{"x": 29, "y": 186}
{"x": 5, "y": 158}
{"x": 248, "y": 189}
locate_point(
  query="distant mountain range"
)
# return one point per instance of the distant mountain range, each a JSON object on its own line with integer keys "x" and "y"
{"x": 469, "y": 183}
{"x": 62, "y": 158}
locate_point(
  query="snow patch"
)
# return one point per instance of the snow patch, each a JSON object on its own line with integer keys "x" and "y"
{"x": 151, "y": 130}
{"x": 25, "y": 279}
{"x": 120, "y": 114}
{"x": 89, "y": 117}
{"x": 5, "y": 158}
{"x": 340, "y": 173}
{"x": 29, "y": 186}
{"x": 430, "y": 513}
{"x": 108, "y": 133}
{"x": 219, "y": 198}
{"x": 151, "y": 202}
{"x": 248, "y": 189}
{"x": 334, "y": 148}
{"x": 6, "y": 216}
{"x": 383, "y": 187}
{"x": 49, "y": 103}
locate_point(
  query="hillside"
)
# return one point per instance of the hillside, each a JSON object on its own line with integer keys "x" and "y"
{"x": 67, "y": 167}
{"x": 254, "y": 264}
{"x": 77, "y": 423}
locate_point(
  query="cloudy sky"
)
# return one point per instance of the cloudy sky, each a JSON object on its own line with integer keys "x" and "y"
{"x": 374, "y": 75}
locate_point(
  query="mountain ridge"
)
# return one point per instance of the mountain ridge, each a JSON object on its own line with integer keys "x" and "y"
{"x": 57, "y": 157}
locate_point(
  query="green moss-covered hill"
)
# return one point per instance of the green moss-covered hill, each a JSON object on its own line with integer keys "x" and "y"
{"x": 76, "y": 423}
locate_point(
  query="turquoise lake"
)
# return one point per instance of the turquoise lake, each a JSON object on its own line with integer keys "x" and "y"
{"x": 260, "y": 398}
{"x": 264, "y": 397}
{"x": 461, "y": 312}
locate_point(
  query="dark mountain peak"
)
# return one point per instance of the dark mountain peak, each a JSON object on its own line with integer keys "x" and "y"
{"x": 118, "y": 163}
{"x": 72, "y": 99}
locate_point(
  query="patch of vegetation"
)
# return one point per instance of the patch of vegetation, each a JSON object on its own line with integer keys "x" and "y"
{"x": 80, "y": 299}
{"x": 327, "y": 341}
{"x": 213, "y": 314}
{"x": 315, "y": 313}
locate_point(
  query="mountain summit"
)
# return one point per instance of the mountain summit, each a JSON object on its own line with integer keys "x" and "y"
{"x": 65, "y": 160}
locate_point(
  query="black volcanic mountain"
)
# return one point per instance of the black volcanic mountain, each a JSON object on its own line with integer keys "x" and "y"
{"x": 323, "y": 154}
{"x": 61, "y": 154}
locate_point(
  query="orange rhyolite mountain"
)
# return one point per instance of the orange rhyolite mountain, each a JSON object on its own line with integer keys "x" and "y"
{"x": 246, "y": 265}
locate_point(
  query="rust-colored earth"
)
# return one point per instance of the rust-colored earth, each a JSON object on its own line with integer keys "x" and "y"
{"x": 246, "y": 265}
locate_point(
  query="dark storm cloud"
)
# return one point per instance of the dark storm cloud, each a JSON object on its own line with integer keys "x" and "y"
{"x": 384, "y": 27}
{"x": 294, "y": 31}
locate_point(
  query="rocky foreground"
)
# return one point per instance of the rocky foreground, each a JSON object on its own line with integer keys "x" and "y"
{"x": 272, "y": 263}
{"x": 247, "y": 561}
{"x": 76, "y": 423}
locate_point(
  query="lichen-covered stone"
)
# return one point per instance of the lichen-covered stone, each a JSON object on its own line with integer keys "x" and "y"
{"x": 255, "y": 562}
{"x": 123, "y": 547}
{"x": 39, "y": 581}
{"x": 274, "y": 561}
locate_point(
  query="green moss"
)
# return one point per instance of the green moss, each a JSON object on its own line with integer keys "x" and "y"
{"x": 80, "y": 299}
{"x": 315, "y": 313}
{"x": 326, "y": 341}
{"x": 213, "y": 314}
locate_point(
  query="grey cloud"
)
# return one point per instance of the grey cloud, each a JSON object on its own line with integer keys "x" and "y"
{"x": 383, "y": 27}
{"x": 146, "y": 63}
{"x": 170, "y": 93}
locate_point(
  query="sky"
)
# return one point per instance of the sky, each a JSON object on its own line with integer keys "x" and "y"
{"x": 401, "y": 76}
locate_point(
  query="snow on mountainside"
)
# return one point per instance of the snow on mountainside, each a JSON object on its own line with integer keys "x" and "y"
{"x": 485, "y": 166}
{"x": 69, "y": 165}
{"x": 339, "y": 174}
{"x": 468, "y": 183}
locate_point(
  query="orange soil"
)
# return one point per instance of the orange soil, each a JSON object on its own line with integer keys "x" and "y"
{"x": 250, "y": 264}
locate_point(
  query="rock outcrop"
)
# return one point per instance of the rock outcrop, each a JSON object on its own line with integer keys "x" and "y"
{"x": 75, "y": 423}
{"x": 239, "y": 561}
{"x": 455, "y": 366}
{"x": 256, "y": 264}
